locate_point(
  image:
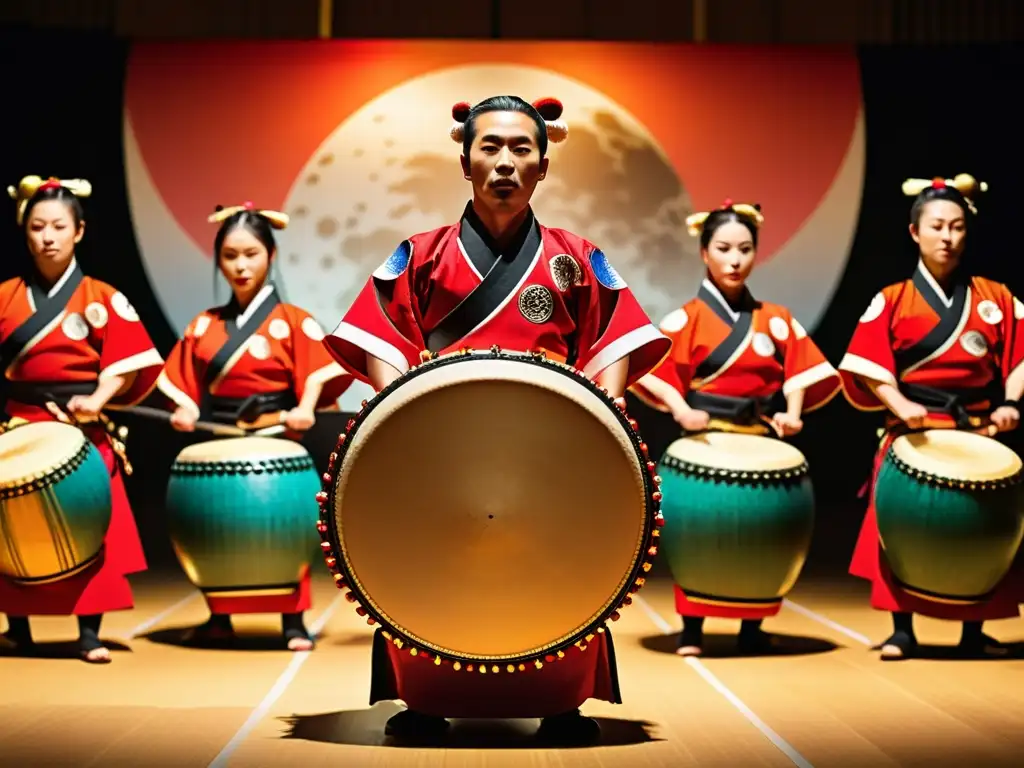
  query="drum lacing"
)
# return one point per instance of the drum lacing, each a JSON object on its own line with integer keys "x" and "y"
{"x": 737, "y": 475}
{"x": 251, "y": 467}
{"x": 953, "y": 483}
{"x": 46, "y": 477}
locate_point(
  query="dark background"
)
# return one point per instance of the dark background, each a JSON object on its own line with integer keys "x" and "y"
{"x": 935, "y": 103}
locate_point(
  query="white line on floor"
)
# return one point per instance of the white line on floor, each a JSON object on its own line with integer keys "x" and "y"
{"x": 152, "y": 622}
{"x": 274, "y": 694}
{"x": 854, "y": 635}
{"x": 780, "y": 743}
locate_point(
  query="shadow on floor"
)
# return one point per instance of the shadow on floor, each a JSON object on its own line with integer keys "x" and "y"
{"x": 719, "y": 646}
{"x": 59, "y": 649}
{"x": 365, "y": 727}
{"x": 245, "y": 639}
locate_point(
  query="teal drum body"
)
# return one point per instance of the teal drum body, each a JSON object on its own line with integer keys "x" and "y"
{"x": 242, "y": 514}
{"x": 950, "y": 509}
{"x": 55, "y": 502}
{"x": 739, "y": 514}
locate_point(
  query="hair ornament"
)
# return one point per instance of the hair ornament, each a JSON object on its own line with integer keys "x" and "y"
{"x": 277, "y": 219}
{"x": 963, "y": 183}
{"x": 29, "y": 185}
{"x": 550, "y": 110}
{"x": 695, "y": 221}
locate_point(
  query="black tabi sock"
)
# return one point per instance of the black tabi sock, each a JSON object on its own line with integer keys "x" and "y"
{"x": 19, "y": 630}
{"x": 89, "y": 632}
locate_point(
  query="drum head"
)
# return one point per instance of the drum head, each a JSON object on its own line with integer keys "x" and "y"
{"x": 491, "y": 508}
{"x": 240, "y": 449}
{"x": 956, "y": 455}
{"x": 738, "y": 452}
{"x": 32, "y": 450}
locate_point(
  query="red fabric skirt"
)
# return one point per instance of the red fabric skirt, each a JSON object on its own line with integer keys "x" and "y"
{"x": 687, "y": 607}
{"x": 561, "y": 686}
{"x": 296, "y": 601}
{"x": 887, "y": 595}
{"x": 101, "y": 587}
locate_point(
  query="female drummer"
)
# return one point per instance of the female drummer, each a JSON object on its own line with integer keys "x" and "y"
{"x": 943, "y": 332}
{"x": 77, "y": 343}
{"x": 736, "y": 364}
{"x": 257, "y": 362}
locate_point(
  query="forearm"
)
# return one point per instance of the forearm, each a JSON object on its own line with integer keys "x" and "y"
{"x": 613, "y": 378}
{"x": 311, "y": 396}
{"x": 889, "y": 395}
{"x": 381, "y": 374}
{"x": 673, "y": 399}
{"x": 106, "y": 388}
{"x": 1015, "y": 384}
{"x": 795, "y": 403}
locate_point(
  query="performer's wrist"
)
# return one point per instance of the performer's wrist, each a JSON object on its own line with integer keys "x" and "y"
{"x": 1008, "y": 403}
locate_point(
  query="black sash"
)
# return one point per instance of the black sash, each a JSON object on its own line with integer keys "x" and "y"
{"x": 231, "y": 410}
{"x": 502, "y": 273}
{"x": 721, "y": 354}
{"x": 739, "y": 410}
{"x": 47, "y": 310}
{"x": 953, "y": 402}
{"x": 949, "y": 319}
{"x": 237, "y": 335}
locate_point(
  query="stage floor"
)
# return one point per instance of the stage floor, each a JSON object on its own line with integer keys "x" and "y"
{"x": 823, "y": 700}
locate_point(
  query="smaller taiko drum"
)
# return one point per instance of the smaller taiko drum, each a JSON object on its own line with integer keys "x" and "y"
{"x": 55, "y": 502}
{"x": 241, "y": 513}
{"x": 950, "y": 509}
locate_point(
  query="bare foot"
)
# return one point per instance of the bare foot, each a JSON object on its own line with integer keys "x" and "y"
{"x": 300, "y": 644}
{"x": 97, "y": 656}
{"x": 689, "y": 650}
{"x": 892, "y": 652}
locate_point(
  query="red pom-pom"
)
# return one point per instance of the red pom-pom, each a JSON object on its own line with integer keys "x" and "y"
{"x": 727, "y": 204}
{"x": 938, "y": 183}
{"x": 50, "y": 183}
{"x": 248, "y": 205}
{"x": 460, "y": 112}
{"x": 549, "y": 108}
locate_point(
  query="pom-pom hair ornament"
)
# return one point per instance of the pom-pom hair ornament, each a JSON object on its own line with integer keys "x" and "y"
{"x": 277, "y": 219}
{"x": 964, "y": 183}
{"x": 695, "y": 221}
{"x": 550, "y": 110}
{"x": 29, "y": 185}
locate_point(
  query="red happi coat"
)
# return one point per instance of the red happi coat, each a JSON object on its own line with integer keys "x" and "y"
{"x": 913, "y": 333}
{"x": 280, "y": 350}
{"x": 90, "y": 332}
{"x": 555, "y": 292}
{"x": 758, "y": 351}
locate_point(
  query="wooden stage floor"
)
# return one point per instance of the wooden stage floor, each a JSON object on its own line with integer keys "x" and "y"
{"x": 824, "y": 700}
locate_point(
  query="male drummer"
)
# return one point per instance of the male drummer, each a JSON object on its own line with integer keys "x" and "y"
{"x": 498, "y": 277}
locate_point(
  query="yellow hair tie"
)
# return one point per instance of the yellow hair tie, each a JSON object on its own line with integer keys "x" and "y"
{"x": 963, "y": 183}
{"x": 277, "y": 219}
{"x": 695, "y": 221}
{"x": 29, "y": 185}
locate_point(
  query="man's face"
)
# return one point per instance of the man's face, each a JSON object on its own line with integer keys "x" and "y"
{"x": 504, "y": 160}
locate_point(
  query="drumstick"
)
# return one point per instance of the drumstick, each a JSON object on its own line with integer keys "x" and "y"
{"x": 162, "y": 415}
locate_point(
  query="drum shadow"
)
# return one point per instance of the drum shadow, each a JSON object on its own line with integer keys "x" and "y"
{"x": 58, "y": 649}
{"x": 952, "y": 653}
{"x": 365, "y": 728}
{"x": 244, "y": 640}
{"x": 723, "y": 646}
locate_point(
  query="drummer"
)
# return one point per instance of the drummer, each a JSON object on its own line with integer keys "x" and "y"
{"x": 498, "y": 277}
{"x": 77, "y": 343}
{"x": 256, "y": 362}
{"x": 941, "y": 332}
{"x": 737, "y": 364}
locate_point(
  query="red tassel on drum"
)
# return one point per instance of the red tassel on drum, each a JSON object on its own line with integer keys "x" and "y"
{"x": 643, "y": 448}
{"x": 371, "y": 621}
{"x": 362, "y": 612}
{"x": 656, "y": 495}
{"x": 321, "y": 497}
{"x": 331, "y": 461}
{"x": 620, "y": 403}
{"x": 659, "y": 521}
{"x": 350, "y": 596}
{"x": 351, "y": 423}
{"x": 321, "y": 528}
{"x": 325, "y": 546}
{"x": 331, "y": 562}
{"x": 326, "y": 477}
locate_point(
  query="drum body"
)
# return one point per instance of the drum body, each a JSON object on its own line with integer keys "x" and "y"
{"x": 240, "y": 514}
{"x": 55, "y": 502}
{"x": 950, "y": 509}
{"x": 739, "y": 515}
{"x": 491, "y": 509}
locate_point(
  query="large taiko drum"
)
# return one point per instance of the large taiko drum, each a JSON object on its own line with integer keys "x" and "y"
{"x": 739, "y": 515}
{"x": 241, "y": 513}
{"x": 55, "y": 502}
{"x": 950, "y": 509}
{"x": 491, "y": 509}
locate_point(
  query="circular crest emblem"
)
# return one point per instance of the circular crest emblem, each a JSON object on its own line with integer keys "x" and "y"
{"x": 74, "y": 327}
{"x": 974, "y": 343}
{"x": 779, "y": 328}
{"x": 565, "y": 271}
{"x": 990, "y": 312}
{"x": 124, "y": 308}
{"x": 536, "y": 304}
{"x": 202, "y": 323}
{"x": 312, "y": 329}
{"x": 96, "y": 314}
{"x": 259, "y": 347}
{"x": 763, "y": 345}
{"x": 875, "y": 309}
{"x": 279, "y": 329}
